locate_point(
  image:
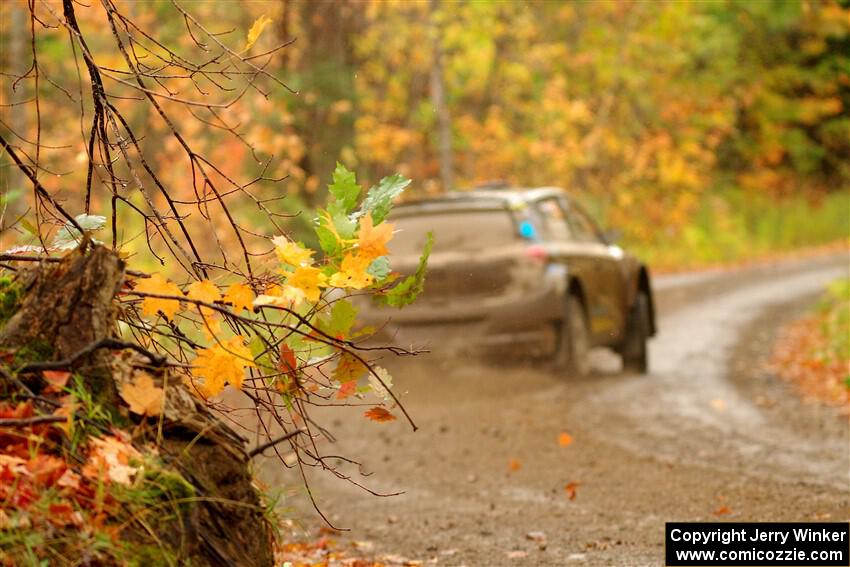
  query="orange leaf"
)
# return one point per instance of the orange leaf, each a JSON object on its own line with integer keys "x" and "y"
{"x": 514, "y": 465}
{"x": 240, "y": 297}
{"x": 56, "y": 379}
{"x": 205, "y": 291}
{"x": 143, "y": 397}
{"x": 379, "y": 414}
{"x": 221, "y": 364}
{"x": 564, "y": 439}
{"x": 346, "y": 390}
{"x": 373, "y": 240}
{"x": 571, "y": 488}
{"x": 160, "y": 286}
{"x": 348, "y": 368}
{"x": 723, "y": 511}
{"x": 288, "y": 363}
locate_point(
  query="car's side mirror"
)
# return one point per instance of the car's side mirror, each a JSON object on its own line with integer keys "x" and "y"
{"x": 612, "y": 235}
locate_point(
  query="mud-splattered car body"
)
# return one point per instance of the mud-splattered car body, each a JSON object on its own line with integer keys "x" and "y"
{"x": 507, "y": 265}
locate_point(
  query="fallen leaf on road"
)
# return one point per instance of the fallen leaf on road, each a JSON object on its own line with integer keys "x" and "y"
{"x": 514, "y": 465}
{"x": 722, "y": 511}
{"x": 565, "y": 439}
{"x": 571, "y": 489}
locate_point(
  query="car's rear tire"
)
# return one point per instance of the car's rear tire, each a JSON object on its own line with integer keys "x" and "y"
{"x": 573, "y": 350}
{"x": 634, "y": 350}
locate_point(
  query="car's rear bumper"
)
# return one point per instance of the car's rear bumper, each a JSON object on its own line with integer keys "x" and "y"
{"x": 524, "y": 320}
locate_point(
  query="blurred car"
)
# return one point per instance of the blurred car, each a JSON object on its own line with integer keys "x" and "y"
{"x": 522, "y": 267}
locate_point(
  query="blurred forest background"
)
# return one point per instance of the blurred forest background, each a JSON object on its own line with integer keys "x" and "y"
{"x": 705, "y": 131}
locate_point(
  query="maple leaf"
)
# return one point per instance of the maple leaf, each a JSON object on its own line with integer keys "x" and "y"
{"x": 240, "y": 297}
{"x": 56, "y": 380}
{"x": 379, "y": 414}
{"x": 109, "y": 459}
{"x": 223, "y": 364}
{"x": 381, "y": 390}
{"x": 308, "y": 280}
{"x": 160, "y": 286}
{"x": 353, "y": 273}
{"x": 346, "y": 390}
{"x": 571, "y": 489}
{"x": 291, "y": 253}
{"x": 283, "y": 296}
{"x": 142, "y": 396}
{"x": 348, "y": 368}
{"x": 564, "y": 439}
{"x": 372, "y": 241}
{"x": 288, "y": 363}
{"x": 205, "y": 291}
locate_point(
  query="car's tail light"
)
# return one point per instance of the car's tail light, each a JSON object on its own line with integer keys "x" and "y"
{"x": 537, "y": 252}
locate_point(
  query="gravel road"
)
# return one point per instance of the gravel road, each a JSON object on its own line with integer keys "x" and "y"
{"x": 709, "y": 435}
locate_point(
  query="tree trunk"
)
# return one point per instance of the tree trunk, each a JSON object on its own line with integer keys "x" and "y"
{"x": 66, "y": 309}
{"x": 438, "y": 99}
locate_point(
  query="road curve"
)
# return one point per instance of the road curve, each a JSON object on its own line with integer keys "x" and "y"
{"x": 707, "y": 436}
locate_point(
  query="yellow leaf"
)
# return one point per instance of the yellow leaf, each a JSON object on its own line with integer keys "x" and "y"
{"x": 284, "y": 296}
{"x": 240, "y": 297}
{"x": 309, "y": 281}
{"x": 257, "y": 29}
{"x": 223, "y": 364}
{"x": 143, "y": 397}
{"x": 160, "y": 286}
{"x": 291, "y": 253}
{"x": 353, "y": 273}
{"x": 205, "y": 291}
{"x": 348, "y": 368}
{"x": 373, "y": 240}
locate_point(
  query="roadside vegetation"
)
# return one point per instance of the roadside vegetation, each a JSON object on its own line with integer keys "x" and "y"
{"x": 125, "y": 336}
{"x": 168, "y": 234}
{"x": 813, "y": 352}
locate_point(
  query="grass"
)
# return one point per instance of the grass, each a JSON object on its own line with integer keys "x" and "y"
{"x": 732, "y": 226}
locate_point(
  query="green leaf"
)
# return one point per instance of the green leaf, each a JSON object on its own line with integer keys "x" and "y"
{"x": 407, "y": 291}
{"x": 343, "y": 314}
{"x": 260, "y": 353}
{"x": 68, "y": 237}
{"x": 327, "y": 240}
{"x": 10, "y": 196}
{"x": 345, "y": 227}
{"x": 380, "y": 268}
{"x": 345, "y": 189}
{"x": 29, "y": 227}
{"x": 379, "y": 199}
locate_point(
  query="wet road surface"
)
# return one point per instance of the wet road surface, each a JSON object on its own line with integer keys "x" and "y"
{"x": 709, "y": 435}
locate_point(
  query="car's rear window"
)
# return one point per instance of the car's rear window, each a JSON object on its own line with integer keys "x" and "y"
{"x": 453, "y": 230}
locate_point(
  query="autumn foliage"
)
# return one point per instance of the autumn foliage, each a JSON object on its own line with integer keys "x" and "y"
{"x": 813, "y": 352}
{"x": 134, "y": 311}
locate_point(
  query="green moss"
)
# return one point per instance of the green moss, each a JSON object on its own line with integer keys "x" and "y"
{"x": 34, "y": 351}
{"x": 10, "y": 298}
